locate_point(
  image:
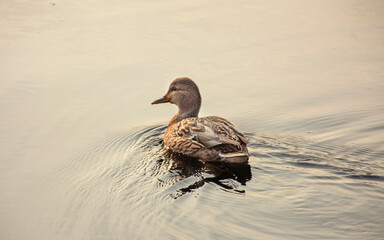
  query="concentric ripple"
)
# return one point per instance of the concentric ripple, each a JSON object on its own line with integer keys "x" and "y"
{"x": 130, "y": 181}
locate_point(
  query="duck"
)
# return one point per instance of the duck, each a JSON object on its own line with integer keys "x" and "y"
{"x": 209, "y": 139}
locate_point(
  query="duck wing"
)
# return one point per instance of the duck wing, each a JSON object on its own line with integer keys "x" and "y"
{"x": 225, "y": 128}
{"x": 210, "y": 131}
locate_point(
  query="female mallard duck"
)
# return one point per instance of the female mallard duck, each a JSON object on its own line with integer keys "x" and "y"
{"x": 208, "y": 138}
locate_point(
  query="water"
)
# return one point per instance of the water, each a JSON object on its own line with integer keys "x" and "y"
{"x": 81, "y": 146}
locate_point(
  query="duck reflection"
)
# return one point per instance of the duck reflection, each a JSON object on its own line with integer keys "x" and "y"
{"x": 218, "y": 173}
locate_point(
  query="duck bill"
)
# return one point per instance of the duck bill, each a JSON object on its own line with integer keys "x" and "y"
{"x": 161, "y": 100}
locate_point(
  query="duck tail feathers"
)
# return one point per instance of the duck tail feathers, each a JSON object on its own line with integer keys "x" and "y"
{"x": 234, "y": 157}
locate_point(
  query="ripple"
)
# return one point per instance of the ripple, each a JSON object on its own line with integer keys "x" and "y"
{"x": 129, "y": 181}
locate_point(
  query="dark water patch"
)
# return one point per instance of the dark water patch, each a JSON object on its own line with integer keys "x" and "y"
{"x": 325, "y": 177}
{"x": 314, "y": 165}
{"x": 367, "y": 177}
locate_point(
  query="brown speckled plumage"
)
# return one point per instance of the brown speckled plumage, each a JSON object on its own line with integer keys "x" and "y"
{"x": 209, "y": 138}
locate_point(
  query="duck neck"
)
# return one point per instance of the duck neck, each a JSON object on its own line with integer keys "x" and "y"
{"x": 190, "y": 114}
{"x": 184, "y": 114}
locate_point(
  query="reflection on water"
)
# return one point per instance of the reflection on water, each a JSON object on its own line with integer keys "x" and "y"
{"x": 222, "y": 173}
{"x": 131, "y": 186}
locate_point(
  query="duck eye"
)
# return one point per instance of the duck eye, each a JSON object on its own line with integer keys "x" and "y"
{"x": 174, "y": 89}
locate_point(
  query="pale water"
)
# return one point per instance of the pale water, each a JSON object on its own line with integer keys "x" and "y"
{"x": 81, "y": 146}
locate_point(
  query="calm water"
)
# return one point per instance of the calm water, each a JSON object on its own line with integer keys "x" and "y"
{"x": 81, "y": 147}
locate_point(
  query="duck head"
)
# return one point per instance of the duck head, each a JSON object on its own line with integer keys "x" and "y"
{"x": 185, "y": 94}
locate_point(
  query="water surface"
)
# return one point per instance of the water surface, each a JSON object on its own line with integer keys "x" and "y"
{"x": 81, "y": 146}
